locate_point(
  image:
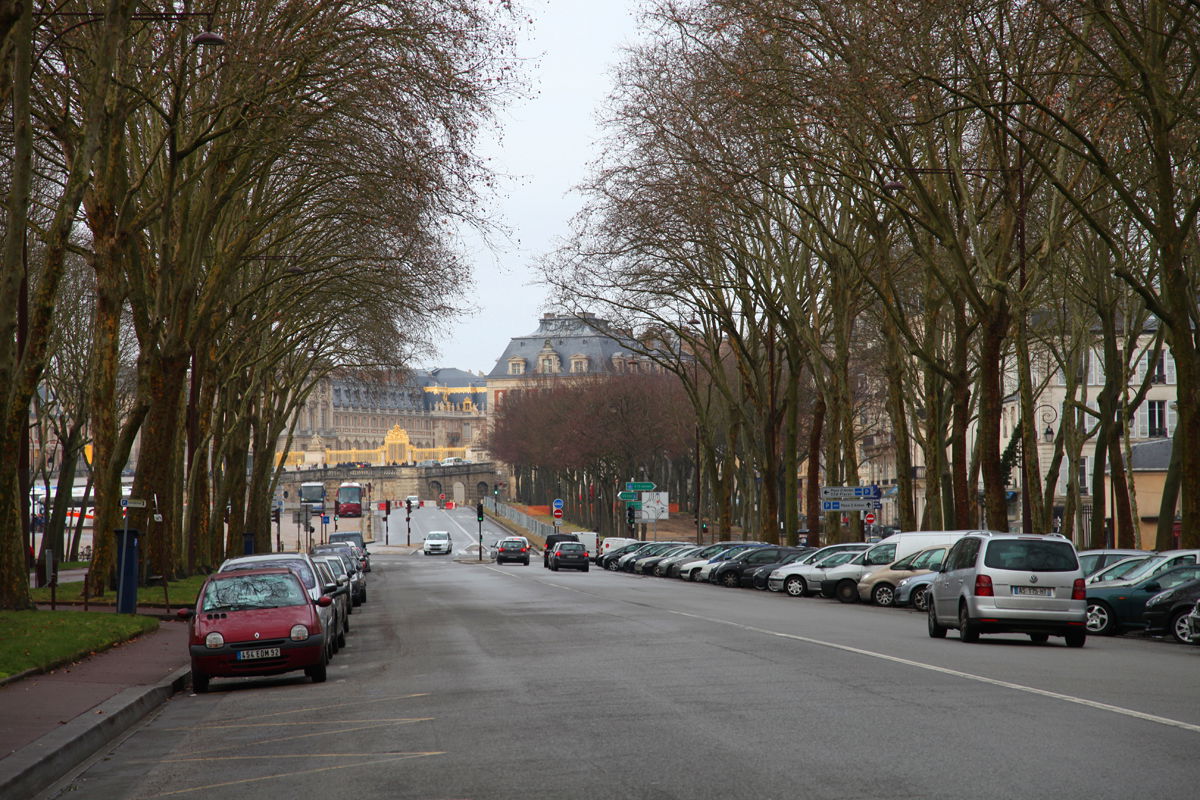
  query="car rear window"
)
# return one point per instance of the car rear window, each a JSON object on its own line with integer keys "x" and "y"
{"x": 565, "y": 546}
{"x": 1031, "y": 556}
{"x": 252, "y": 591}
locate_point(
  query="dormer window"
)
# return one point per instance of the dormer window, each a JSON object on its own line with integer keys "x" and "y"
{"x": 579, "y": 364}
{"x": 516, "y": 366}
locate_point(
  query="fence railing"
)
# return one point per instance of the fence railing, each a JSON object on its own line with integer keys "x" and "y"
{"x": 534, "y": 526}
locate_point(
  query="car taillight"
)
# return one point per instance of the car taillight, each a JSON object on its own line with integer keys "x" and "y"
{"x": 1079, "y": 590}
{"x": 983, "y": 586}
{"x": 523, "y": 549}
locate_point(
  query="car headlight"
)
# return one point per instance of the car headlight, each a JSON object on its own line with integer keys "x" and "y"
{"x": 1161, "y": 597}
{"x": 299, "y": 633}
{"x": 214, "y": 640}
{"x": 903, "y": 582}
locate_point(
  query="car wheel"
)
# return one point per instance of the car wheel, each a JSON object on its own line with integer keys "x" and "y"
{"x": 884, "y": 594}
{"x": 658, "y": 571}
{"x": 796, "y": 586}
{"x": 363, "y": 599}
{"x": 1075, "y": 638}
{"x": 199, "y": 682}
{"x": 1100, "y": 620}
{"x": 1178, "y": 626}
{"x": 346, "y": 624}
{"x": 584, "y": 568}
{"x": 966, "y": 631}
{"x": 920, "y": 598}
{"x": 611, "y": 566}
{"x": 527, "y": 562}
{"x": 554, "y": 566}
{"x": 1039, "y": 638}
{"x": 318, "y": 672}
{"x": 341, "y": 640}
{"x": 334, "y": 645}
{"x": 693, "y": 576}
{"x": 936, "y": 629}
{"x": 729, "y": 580}
{"x": 846, "y": 592}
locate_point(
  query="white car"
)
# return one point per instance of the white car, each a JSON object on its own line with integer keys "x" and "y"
{"x": 805, "y": 581}
{"x": 437, "y": 542}
{"x": 777, "y": 581}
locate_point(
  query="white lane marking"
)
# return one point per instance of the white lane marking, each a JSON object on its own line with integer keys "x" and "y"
{"x": 1067, "y": 698}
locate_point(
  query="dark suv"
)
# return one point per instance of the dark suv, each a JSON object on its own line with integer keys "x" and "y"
{"x": 552, "y": 540}
{"x": 354, "y": 537}
{"x": 569, "y": 554}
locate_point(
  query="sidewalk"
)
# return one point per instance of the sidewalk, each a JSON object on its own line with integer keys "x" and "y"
{"x": 53, "y": 721}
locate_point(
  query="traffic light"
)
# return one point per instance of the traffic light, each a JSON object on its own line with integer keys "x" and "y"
{"x": 496, "y": 491}
{"x": 387, "y": 507}
{"x": 275, "y": 515}
{"x": 629, "y": 515}
{"x": 479, "y": 511}
{"x": 408, "y": 506}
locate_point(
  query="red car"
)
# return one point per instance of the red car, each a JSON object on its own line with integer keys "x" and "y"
{"x": 255, "y": 622}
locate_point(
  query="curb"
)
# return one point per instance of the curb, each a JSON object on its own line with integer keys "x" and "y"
{"x": 40, "y": 764}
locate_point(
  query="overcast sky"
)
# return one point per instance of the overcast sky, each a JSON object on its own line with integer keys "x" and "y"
{"x": 548, "y": 143}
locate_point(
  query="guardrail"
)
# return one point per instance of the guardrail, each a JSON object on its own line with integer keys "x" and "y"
{"x": 534, "y": 526}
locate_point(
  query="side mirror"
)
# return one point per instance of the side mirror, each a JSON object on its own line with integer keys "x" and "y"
{"x": 324, "y": 601}
{"x": 330, "y": 588}
{"x": 185, "y": 613}
{"x": 936, "y": 567}
{"x": 341, "y": 580}
{"x": 1152, "y": 586}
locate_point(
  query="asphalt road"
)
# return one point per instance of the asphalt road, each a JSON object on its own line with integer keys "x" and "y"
{"x": 475, "y": 681}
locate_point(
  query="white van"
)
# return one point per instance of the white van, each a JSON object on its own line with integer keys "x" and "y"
{"x": 589, "y": 539}
{"x": 453, "y": 461}
{"x": 612, "y": 543}
{"x": 842, "y": 582}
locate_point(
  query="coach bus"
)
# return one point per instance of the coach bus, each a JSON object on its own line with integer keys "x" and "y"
{"x": 349, "y": 499}
{"x": 312, "y": 494}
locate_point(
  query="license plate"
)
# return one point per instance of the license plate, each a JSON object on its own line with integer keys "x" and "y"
{"x": 1033, "y": 591}
{"x": 250, "y": 655}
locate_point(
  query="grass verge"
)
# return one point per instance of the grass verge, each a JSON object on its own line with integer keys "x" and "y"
{"x": 42, "y": 639}
{"x": 182, "y": 592}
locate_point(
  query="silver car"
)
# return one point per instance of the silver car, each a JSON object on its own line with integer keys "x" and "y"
{"x": 1010, "y": 583}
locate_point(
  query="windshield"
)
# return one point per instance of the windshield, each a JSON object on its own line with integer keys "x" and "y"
{"x": 1119, "y": 569}
{"x": 837, "y": 558}
{"x": 241, "y": 592}
{"x": 1145, "y": 568}
{"x": 438, "y": 535}
{"x": 296, "y": 565}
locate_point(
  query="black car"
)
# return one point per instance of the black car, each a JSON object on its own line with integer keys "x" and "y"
{"x": 760, "y": 576}
{"x": 1167, "y": 611}
{"x": 513, "y": 549}
{"x": 569, "y": 554}
{"x": 739, "y": 570}
{"x": 609, "y": 559}
{"x": 553, "y": 539}
{"x": 354, "y": 537}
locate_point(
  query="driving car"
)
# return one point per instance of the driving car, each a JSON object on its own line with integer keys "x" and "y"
{"x": 1116, "y": 607}
{"x": 569, "y": 554}
{"x": 513, "y": 548}
{"x": 551, "y": 540}
{"x": 437, "y": 542}
{"x": 255, "y": 622}
{"x": 1009, "y": 583}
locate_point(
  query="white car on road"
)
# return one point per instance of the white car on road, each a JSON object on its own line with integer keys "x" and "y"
{"x": 437, "y": 542}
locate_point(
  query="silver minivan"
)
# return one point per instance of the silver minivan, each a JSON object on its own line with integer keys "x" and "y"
{"x": 1010, "y": 583}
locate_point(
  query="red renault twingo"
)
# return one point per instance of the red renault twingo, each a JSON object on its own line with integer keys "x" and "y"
{"x": 255, "y": 622}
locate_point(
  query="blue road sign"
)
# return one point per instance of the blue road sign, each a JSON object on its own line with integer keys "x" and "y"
{"x": 558, "y": 503}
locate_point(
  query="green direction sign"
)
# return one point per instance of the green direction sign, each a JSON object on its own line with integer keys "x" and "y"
{"x": 627, "y": 495}
{"x": 640, "y": 486}
{"x": 634, "y": 504}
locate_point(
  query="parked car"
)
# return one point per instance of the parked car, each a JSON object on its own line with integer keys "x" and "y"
{"x": 776, "y": 580}
{"x": 1119, "y": 569}
{"x": 722, "y": 557}
{"x": 759, "y": 577}
{"x": 645, "y": 564}
{"x": 340, "y": 592}
{"x": 356, "y": 538}
{"x": 879, "y": 585}
{"x": 682, "y": 568}
{"x": 513, "y": 548}
{"x": 609, "y": 560}
{"x": 1155, "y": 565}
{"x": 256, "y": 622}
{"x": 299, "y": 563}
{"x": 551, "y": 540}
{"x": 1009, "y": 583}
{"x": 611, "y": 543}
{"x": 664, "y": 565}
{"x": 805, "y": 580}
{"x": 341, "y": 595}
{"x": 1193, "y": 621}
{"x": 437, "y": 543}
{"x": 1092, "y": 561}
{"x": 569, "y": 555}
{"x": 1167, "y": 611}
{"x": 358, "y": 577}
{"x": 625, "y": 563}
{"x": 739, "y": 570}
{"x": 914, "y": 591}
{"x": 1116, "y": 607}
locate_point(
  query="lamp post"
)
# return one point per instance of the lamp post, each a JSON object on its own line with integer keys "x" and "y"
{"x": 695, "y": 323}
